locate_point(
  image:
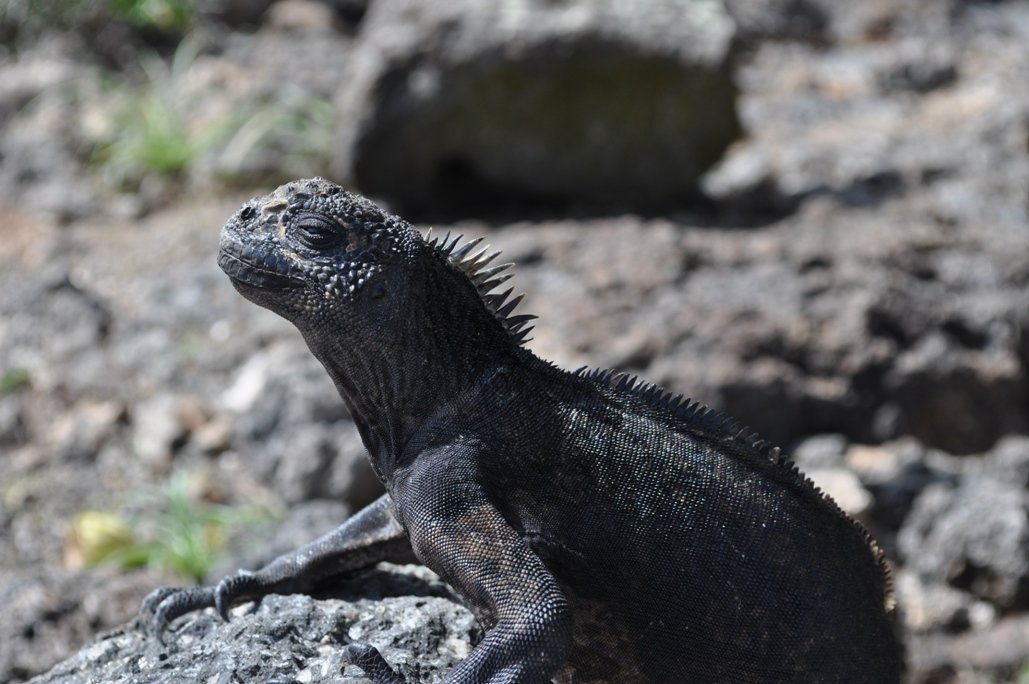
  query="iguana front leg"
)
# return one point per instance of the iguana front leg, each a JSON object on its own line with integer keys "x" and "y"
{"x": 369, "y": 536}
{"x": 458, "y": 533}
{"x": 477, "y": 552}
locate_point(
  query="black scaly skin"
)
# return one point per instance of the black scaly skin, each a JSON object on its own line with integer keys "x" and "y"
{"x": 600, "y": 529}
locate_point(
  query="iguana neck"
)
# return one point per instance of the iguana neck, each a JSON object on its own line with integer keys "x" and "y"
{"x": 392, "y": 388}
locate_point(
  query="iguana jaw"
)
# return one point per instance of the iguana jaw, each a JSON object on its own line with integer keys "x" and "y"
{"x": 249, "y": 267}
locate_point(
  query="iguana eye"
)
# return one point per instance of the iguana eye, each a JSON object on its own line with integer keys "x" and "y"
{"x": 318, "y": 232}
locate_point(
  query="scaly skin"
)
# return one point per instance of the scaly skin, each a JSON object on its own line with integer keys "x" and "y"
{"x": 600, "y": 529}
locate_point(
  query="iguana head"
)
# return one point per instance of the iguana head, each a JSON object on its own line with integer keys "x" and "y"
{"x": 325, "y": 258}
{"x": 313, "y": 252}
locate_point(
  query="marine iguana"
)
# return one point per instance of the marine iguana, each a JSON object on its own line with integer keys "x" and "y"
{"x": 601, "y": 529}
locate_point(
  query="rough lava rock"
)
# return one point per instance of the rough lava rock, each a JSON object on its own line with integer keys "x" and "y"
{"x": 50, "y": 612}
{"x": 405, "y": 612}
{"x": 593, "y": 101}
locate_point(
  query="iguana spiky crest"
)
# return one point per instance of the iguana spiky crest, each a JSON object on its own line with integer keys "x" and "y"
{"x": 485, "y": 278}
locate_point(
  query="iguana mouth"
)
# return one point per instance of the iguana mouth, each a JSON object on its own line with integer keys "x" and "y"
{"x": 255, "y": 270}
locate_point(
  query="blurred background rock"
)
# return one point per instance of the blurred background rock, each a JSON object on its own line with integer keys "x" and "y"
{"x": 810, "y": 214}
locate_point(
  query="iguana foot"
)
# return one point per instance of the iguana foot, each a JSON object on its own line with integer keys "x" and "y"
{"x": 369, "y": 659}
{"x": 163, "y": 605}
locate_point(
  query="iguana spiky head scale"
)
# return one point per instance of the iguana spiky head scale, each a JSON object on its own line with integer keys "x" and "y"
{"x": 475, "y": 265}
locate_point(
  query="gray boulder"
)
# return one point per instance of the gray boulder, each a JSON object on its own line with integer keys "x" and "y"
{"x": 973, "y": 537}
{"x": 595, "y": 101}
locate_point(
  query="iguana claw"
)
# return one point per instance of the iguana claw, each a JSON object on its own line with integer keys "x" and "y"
{"x": 234, "y": 589}
{"x": 369, "y": 659}
{"x": 167, "y": 603}
{"x": 163, "y": 605}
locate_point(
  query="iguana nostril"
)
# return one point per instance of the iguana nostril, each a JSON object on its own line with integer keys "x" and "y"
{"x": 248, "y": 213}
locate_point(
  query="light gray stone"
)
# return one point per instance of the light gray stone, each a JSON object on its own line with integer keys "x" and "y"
{"x": 598, "y": 101}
